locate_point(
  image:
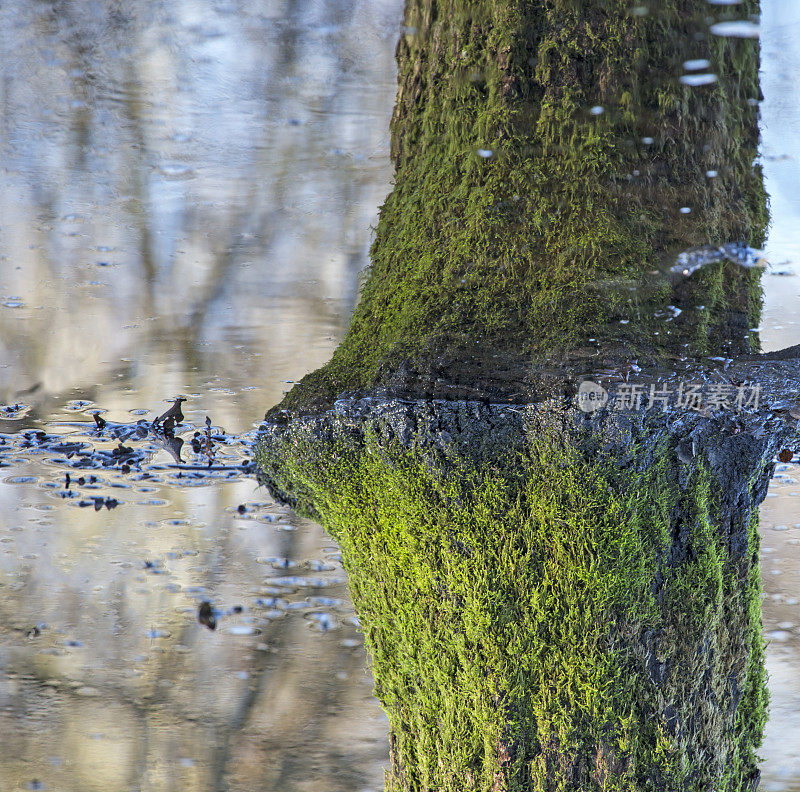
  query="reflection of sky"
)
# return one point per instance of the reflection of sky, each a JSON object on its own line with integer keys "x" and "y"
{"x": 780, "y": 124}
{"x": 780, "y": 146}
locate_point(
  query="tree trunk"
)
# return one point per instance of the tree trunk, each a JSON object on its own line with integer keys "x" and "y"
{"x": 522, "y": 222}
{"x": 554, "y": 598}
{"x": 550, "y": 601}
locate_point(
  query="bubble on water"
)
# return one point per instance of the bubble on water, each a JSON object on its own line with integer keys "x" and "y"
{"x": 322, "y": 621}
{"x": 694, "y": 80}
{"x": 779, "y": 636}
{"x": 175, "y": 170}
{"x": 328, "y": 602}
{"x": 319, "y": 566}
{"x": 13, "y": 302}
{"x": 242, "y": 629}
{"x": 697, "y": 64}
{"x": 296, "y": 606}
{"x": 79, "y": 404}
{"x": 738, "y": 28}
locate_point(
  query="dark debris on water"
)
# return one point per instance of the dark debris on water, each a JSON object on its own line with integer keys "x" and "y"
{"x": 80, "y": 447}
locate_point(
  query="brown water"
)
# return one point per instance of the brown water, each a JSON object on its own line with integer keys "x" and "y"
{"x": 186, "y": 197}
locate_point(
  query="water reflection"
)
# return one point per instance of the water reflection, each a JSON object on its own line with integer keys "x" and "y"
{"x": 185, "y": 204}
{"x": 186, "y": 189}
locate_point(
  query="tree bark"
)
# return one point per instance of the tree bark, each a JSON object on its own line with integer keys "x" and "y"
{"x": 554, "y": 598}
{"x": 550, "y": 601}
{"x": 523, "y": 223}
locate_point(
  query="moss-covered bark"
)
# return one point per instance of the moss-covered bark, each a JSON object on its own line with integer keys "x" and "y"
{"x": 574, "y": 608}
{"x": 565, "y": 229}
{"x": 551, "y": 601}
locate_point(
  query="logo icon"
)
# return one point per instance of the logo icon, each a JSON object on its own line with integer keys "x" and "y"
{"x": 591, "y": 396}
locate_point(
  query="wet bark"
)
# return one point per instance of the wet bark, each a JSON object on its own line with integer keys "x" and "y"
{"x": 555, "y": 598}
{"x": 526, "y": 225}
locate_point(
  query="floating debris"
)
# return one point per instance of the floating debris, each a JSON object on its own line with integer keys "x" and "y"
{"x": 205, "y": 615}
{"x": 173, "y": 414}
{"x": 13, "y": 412}
{"x": 98, "y": 503}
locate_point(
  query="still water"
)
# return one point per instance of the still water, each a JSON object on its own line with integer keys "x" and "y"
{"x": 186, "y": 196}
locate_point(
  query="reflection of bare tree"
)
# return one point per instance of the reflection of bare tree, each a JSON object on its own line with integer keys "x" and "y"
{"x": 184, "y": 199}
{"x": 279, "y": 206}
{"x": 187, "y": 696}
{"x": 139, "y": 202}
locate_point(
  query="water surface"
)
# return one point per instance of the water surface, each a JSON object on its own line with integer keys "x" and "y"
{"x": 186, "y": 197}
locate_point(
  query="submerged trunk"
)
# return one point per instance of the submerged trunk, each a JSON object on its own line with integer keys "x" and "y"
{"x": 525, "y": 222}
{"x": 554, "y": 597}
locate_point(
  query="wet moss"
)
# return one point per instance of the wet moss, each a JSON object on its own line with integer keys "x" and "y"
{"x": 567, "y": 227}
{"x": 566, "y": 619}
{"x": 561, "y": 616}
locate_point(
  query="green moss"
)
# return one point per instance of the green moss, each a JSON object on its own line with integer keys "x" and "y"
{"x": 554, "y": 239}
{"x": 531, "y": 624}
{"x": 562, "y": 618}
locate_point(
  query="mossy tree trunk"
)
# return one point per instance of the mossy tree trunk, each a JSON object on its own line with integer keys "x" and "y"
{"x": 523, "y": 221}
{"x": 550, "y": 601}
